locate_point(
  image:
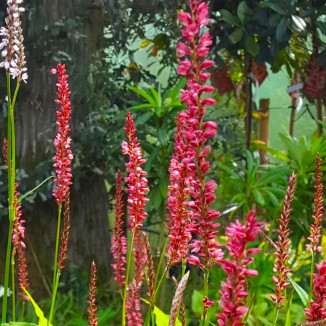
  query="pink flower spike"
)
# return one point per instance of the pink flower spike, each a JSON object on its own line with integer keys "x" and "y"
{"x": 136, "y": 181}
{"x": 233, "y": 292}
{"x": 62, "y": 141}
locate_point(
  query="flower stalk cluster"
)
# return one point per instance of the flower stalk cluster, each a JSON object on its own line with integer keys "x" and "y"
{"x": 189, "y": 166}
{"x": 119, "y": 241}
{"x": 233, "y": 292}
{"x": 282, "y": 245}
{"x": 62, "y": 141}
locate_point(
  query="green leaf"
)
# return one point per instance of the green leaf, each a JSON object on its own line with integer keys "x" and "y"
{"x": 161, "y": 319}
{"x": 281, "y": 30}
{"x": 140, "y": 107}
{"x": 273, "y": 6}
{"x": 34, "y": 189}
{"x": 197, "y": 302}
{"x": 144, "y": 94}
{"x": 252, "y": 46}
{"x": 236, "y": 36}
{"x": 275, "y": 202}
{"x": 143, "y": 118}
{"x": 229, "y": 18}
{"x": 39, "y": 313}
{"x": 288, "y": 313}
{"x": 163, "y": 136}
{"x": 303, "y": 295}
{"x": 250, "y": 161}
{"x": 259, "y": 198}
{"x": 241, "y": 10}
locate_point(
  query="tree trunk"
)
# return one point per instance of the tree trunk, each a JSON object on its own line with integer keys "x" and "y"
{"x": 70, "y": 32}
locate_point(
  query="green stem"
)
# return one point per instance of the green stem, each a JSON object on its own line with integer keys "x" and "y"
{"x": 276, "y": 315}
{"x": 312, "y": 269}
{"x": 204, "y": 314}
{"x": 54, "y": 294}
{"x": 56, "y": 273}
{"x": 22, "y": 316}
{"x": 127, "y": 278}
{"x": 13, "y": 287}
{"x": 157, "y": 291}
{"x": 11, "y": 193}
{"x": 158, "y": 270}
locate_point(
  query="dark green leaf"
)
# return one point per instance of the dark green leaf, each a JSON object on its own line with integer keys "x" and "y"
{"x": 252, "y": 46}
{"x": 229, "y": 18}
{"x": 281, "y": 30}
{"x": 143, "y": 118}
{"x": 163, "y": 137}
{"x": 236, "y": 36}
{"x": 299, "y": 23}
{"x": 241, "y": 10}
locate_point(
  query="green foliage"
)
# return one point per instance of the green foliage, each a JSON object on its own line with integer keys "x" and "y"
{"x": 252, "y": 186}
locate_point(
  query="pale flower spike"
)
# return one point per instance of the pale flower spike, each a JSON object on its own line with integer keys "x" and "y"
{"x": 12, "y": 44}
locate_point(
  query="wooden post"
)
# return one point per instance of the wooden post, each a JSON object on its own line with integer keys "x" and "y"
{"x": 263, "y": 134}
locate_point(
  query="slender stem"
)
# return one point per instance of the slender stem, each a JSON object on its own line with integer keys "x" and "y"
{"x": 22, "y": 316}
{"x": 158, "y": 270}
{"x": 13, "y": 287}
{"x": 312, "y": 269}
{"x": 127, "y": 278}
{"x": 277, "y": 311}
{"x": 54, "y": 294}
{"x": 204, "y": 314}
{"x": 56, "y": 273}
{"x": 157, "y": 291}
{"x": 11, "y": 192}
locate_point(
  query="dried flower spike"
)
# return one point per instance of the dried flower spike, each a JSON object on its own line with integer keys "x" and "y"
{"x": 119, "y": 241}
{"x": 92, "y": 297}
{"x": 150, "y": 269}
{"x": 282, "y": 245}
{"x": 62, "y": 141}
{"x": 12, "y": 43}
{"x": 315, "y": 228}
{"x": 136, "y": 181}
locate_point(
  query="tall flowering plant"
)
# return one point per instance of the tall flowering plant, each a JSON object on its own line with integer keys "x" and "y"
{"x": 13, "y": 53}
{"x": 189, "y": 166}
{"x": 63, "y": 177}
{"x": 137, "y": 190}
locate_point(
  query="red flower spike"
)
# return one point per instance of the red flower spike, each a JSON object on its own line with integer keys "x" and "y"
{"x": 315, "y": 228}
{"x": 119, "y": 241}
{"x": 136, "y": 181}
{"x": 62, "y": 141}
{"x": 233, "y": 291}
{"x": 92, "y": 317}
{"x": 282, "y": 244}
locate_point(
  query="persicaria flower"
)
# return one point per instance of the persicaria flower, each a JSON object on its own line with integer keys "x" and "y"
{"x": 315, "y": 228}
{"x": 136, "y": 181}
{"x": 119, "y": 241}
{"x": 62, "y": 141}
{"x": 317, "y": 310}
{"x": 282, "y": 245}
{"x": 232, "y": 302}
{"x": 12, "y": 43}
